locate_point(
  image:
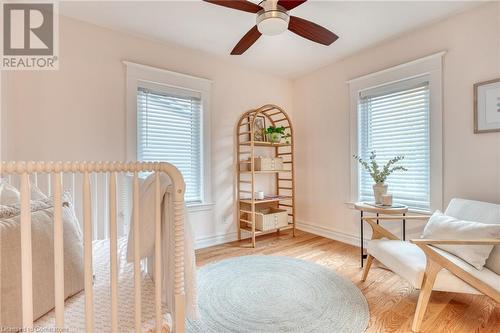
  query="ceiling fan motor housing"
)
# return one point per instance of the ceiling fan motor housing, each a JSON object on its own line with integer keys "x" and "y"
{"x": 273, "y": 19}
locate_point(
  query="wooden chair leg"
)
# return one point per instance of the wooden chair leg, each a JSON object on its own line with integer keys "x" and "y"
{"x": 368, "y": 264}
{"x": 431, "y": 271}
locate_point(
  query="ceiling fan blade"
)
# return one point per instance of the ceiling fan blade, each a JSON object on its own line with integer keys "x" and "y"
{"x": 290, "y": 4}
{"x": 243, "y": 5}
{"x": 311, "y": 31}
{"x": 247, "y": 41}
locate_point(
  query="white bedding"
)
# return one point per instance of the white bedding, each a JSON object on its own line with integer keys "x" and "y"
{"x": 147, "y": 194}
{"x": 74, "y": 313}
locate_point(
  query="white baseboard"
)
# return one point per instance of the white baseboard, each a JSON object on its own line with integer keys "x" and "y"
{"x": 304, "y": 226}
{"x": 329, "y": 233}
{"x": 215, "y": 240}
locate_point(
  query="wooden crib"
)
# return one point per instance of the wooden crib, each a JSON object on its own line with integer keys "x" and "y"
{"x": 27, "y": 170}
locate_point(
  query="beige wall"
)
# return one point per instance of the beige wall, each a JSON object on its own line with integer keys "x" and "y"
{"x": 321, "y": 104}
{"x": 78, "y": 112}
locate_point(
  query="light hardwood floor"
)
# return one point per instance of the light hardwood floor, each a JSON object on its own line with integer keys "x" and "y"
{"x": 391, "y": 300}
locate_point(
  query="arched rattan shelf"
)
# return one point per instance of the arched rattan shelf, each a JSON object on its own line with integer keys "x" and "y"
{"x": 247, "y": 175}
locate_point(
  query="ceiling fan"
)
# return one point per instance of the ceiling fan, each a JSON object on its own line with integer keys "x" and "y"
{"x": 273, "y": 18}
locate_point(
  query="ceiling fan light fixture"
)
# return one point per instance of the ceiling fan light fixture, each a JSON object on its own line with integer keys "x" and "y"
{"x": 272, "y": 19}
{"x": 273, "y": 22}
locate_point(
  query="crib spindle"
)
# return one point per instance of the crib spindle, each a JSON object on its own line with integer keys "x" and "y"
{"x": 49, "y": 184}
{"x": 95, "y": 209}
{"x": 22, "y": 169}
{"x": 35, "y": 179}
{"x": 26, "y": 254}
{"x": 113, "y": 252}
{"x": 158, "y": 268}
{"x": 73, "y": 186}
{"x": 179, "y": 299}
{"x": 137, "y": 257}
{"x": 87, "y": 246}
{"x": 58, "y": 252}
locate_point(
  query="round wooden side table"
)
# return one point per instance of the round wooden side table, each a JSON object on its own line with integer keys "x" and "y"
{"x": 364, "y": 207}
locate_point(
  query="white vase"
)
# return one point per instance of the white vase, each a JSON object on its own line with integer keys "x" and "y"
{"x": 274, "y": 137}
{"x": 379, "y": 189}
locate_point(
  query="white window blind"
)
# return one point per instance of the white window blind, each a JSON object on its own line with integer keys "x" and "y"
{"x": 394, "y": 120}
{"x": 169, "y": 129}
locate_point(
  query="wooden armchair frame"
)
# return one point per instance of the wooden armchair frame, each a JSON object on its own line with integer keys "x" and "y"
{"x": 435, "y": 262}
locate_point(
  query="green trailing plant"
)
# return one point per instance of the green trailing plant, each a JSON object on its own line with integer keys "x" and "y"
{"x": 273, "y": 129}
{"x": 286, "y": 137}
{"x": 380, "y": 175}
{"x": 275, "y": 134}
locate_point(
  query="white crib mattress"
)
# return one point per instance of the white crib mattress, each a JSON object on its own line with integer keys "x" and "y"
{"x": 74, "y": 312}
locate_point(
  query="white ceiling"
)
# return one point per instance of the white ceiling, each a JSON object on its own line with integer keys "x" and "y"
{"x": 216, "y": 29}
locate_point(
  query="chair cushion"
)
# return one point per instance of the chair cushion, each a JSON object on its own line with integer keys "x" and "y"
{"x": 482, "y": 212}
{"x": 447, "y": 227}
{"x": 409, "y": 261}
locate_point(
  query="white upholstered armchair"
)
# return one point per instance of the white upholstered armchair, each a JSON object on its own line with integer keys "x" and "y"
{"x": 428, "y": 268}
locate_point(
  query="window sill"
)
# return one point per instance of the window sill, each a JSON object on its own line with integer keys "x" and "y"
{"x": 199, "y": 207}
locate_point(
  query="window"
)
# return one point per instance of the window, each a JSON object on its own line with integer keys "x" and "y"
{"x": 169, "y": 129}
{"x": 398, "y": 111}
{"x": 393, "y": 121}
{"x": 168, "y": 119}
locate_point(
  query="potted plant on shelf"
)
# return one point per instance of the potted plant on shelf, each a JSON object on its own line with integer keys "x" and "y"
{"x": 274, "y": 134}
{"x": 380, "y": 175}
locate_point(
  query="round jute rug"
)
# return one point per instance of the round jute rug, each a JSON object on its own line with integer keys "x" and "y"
{"x": 270, "y": 294}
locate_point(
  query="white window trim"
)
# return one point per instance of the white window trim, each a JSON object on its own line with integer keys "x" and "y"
{"x": 137, "y": 73}
{"x": 430, "y": 67}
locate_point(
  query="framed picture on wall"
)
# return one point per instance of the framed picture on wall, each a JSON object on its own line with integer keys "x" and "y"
{"x": 487, "y": 106}
{"x": 259, "y": 129}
